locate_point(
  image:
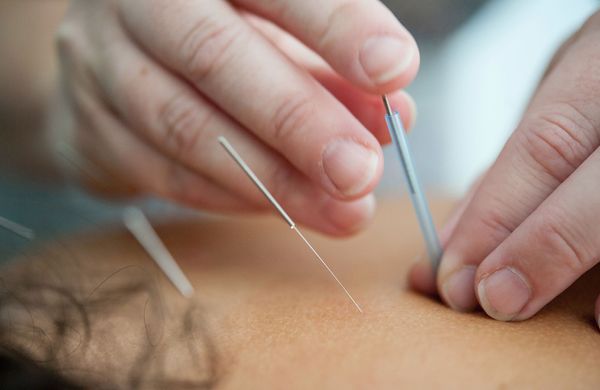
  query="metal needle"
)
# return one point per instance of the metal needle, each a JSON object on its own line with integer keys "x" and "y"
{"x": 17, "y": 229}
{"x": 238, "y": 159}
{"x": 137, "y": 223}
{"x": 434, "y": 249}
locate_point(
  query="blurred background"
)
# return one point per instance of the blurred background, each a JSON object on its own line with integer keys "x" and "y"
{"x": 480, "y": 63}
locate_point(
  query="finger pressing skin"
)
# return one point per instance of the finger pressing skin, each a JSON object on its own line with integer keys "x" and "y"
{"x": 421, "y": 276}
{"x": 558, "y": 132}
{"x": 360, "y": 39}
{"x": 553, "y": 247}
{"x": 245, "y": 75}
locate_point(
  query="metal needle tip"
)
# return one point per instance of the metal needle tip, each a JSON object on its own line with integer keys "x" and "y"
{"x": 238, "y": 159}
{"x": 386, "y": 103}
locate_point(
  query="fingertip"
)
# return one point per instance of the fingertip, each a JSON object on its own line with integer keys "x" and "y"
{"x": 408, "y": 111}
{"x": 456, "y": 282}
{"x": 504, "y": 293}
{"x": 422, "y": 279}
{"x": 367, "y": 107}
{"x": 390, "y": 62}
{"x": 458, "y": 289}
{"x": 352, "y": 169}
{"x": 347, "y": 218}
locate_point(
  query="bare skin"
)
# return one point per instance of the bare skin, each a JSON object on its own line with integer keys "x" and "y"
{"x": 277, "y": 320}
{"x": 146, "y": 87}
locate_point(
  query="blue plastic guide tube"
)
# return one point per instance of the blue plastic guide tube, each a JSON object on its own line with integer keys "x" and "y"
{"x": 432, "y": 242}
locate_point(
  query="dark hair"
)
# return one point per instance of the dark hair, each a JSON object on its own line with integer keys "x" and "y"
{"x": 32, "y": 356}
{"x": 21, "y": 372}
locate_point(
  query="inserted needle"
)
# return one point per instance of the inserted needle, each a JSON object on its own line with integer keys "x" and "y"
{"x": 17, "y": 229}
{"x": 434, "y": 249}
{"x": 238, "y": 159}
{"x": 137, "y": 223}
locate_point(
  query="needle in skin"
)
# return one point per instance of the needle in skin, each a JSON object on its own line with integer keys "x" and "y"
{"x": 137, "y": 223}
{"x": 17, "y": 229}
{"x": 242, "y": 164}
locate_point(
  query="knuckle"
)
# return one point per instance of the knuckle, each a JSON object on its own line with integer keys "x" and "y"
{"x": 556, "y": 233}
{"x": 182, "y": 125}
{"x": 494, "y": 216}
{"x": 494, "y": 221}
{"x": 559, "y": 140}
{"x": 206, "y": 46}
{"x": 66, "y": 39}
{"x": 291, "y": 115}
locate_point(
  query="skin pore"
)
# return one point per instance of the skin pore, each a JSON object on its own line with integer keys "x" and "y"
{"x": 265, "y": 315}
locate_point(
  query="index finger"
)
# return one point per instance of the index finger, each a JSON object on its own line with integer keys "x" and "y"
{"x": 361, "y": 39}
{"x": 559, "y": 131}
{"x": 247, "y": 77}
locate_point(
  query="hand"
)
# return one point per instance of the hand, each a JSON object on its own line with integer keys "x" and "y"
{"x": 532, "y": 225}
{"x": 149, "y": 85}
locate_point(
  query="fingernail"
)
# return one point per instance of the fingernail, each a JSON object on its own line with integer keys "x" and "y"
{"x": 459, "y": 289}
{"x": 504, "y": 293}
{"x": 384, "y": 58}
{"x": 350, "y": 217}
{"x": 350, "y": 166}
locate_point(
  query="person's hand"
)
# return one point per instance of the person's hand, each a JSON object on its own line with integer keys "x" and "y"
{"x": 531, "y": 226}
{"x": 149, "y": 85}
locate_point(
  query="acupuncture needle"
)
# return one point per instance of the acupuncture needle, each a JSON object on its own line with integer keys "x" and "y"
{"x": 137, "y": 223}
{"x": 17, "y": 229}
{"x": 242, "y": 164}
{"x": 71, "y": 156}
{"x": 432, "y": 242}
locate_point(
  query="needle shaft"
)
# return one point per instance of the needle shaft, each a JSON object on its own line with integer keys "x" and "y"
{"x": 238, "y": 159}
{"x": 137, "y": 223}
{"x": 17, "y": 229}
{"x": 327, "y": 268}
{"x": 434, "y": 249}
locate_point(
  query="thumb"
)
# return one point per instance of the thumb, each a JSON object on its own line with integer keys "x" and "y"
{"x": 557, "y": 134}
